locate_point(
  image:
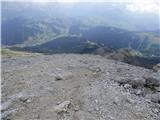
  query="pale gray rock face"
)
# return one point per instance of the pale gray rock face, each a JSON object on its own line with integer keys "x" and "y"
{"x": 157, "y": 89}
{"x": 153, "y": 79}
{"x": 156, "y": 68}
{"x": 77, "y": 87}
{"x": 154, "y": 97}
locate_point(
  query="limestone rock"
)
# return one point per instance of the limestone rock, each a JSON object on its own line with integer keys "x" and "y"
{"x": 63, "y": 76}
{"x": 62, "y": 107}
{"x": 154, "y": 97}
{"x": 127, "y": 86}
{"x": 153, "y": 79}
{"x": 156, "y": 67}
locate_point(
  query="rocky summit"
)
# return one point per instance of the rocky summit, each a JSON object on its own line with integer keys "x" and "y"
{"x": 77, "y": 87}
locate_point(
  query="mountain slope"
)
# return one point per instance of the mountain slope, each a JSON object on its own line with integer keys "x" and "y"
{"x": 145, "y": 42}
{"x": 68, "y": 44}
{"x": 30, "y": 24}
{"x": 73, "y": 87}
{"x": 129, "y": 56}
{"x": 28, "y": 32}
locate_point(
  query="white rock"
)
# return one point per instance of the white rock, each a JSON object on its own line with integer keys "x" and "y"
{"x": 62, "y": 107}
{"x": 97, "y": 109}
{"x": 117, "y": 101}
{"x": 8, "y": 113}
{"x": 130, "y": 101}
{"x": 5, "y": 105}
{"x": 63, "y": 76}
{"x": 96, "y": 101}
{"x": 155, "y": 110}
{"x": 127, "y": 86}
{"x": 139, "y": 92}
{"x": 156, "y": 67}
{"x": 153, "y": 79}
{"x": 157, "y": 89}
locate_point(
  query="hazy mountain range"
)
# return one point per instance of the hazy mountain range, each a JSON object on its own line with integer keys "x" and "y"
{"x": 78, "y": 28}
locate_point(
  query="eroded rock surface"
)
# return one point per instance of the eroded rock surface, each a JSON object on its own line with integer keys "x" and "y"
{"x": 79, "y": 87}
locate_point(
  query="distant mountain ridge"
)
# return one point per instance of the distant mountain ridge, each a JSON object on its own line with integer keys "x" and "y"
{"x": 62, "y": 28}
{"x": 25, "y": 32}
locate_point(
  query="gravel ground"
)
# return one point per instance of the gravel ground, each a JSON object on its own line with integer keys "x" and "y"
{"x": 76, "y": 87}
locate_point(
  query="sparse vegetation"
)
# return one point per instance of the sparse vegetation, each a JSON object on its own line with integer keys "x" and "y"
{"x": 11, "y": 53}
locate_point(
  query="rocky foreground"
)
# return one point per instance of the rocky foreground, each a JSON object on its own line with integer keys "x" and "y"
{"x": 77, "y": 87}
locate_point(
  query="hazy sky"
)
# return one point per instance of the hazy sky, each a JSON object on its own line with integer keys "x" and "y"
{"x": 132, "y": 5}
{"x": 146, "y": 1}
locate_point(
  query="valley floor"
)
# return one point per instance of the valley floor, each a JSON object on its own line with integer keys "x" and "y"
{"x": 76, "y": 87}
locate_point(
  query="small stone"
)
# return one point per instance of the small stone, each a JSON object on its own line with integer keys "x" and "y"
{"x": 28, "y": 101}
{"x": 155, "y": 110}
{"x": 148, "y": 100}
{"x": 97, "y": 109}
{"x": 139, "y": 92}
{"x": 58, "y": 69}
{"x": 111, "y": 118}
{"x": 119, "y": 69}
{"x": 107, "y": 73}
{"x": 62, "y": 107}
{"x": 95, "y": 69}
{"x": 58, "y": 77}
{"x": 131, "y": 101}
{"x": 98, "y": 69}
{"x": 25, "y": 99}
{"x": 85, "y": 74}
{"x": 64, "y": 76}
{"x": 96, "y": 101}
{"x": 116, "y": 101}
{"x": 76, "y": 108}
{"x": 127, "y": 86}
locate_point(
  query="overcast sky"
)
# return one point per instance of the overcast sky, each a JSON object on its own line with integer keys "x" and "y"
{"x": 132, "y": 5}
{"x": 146, "y": 1}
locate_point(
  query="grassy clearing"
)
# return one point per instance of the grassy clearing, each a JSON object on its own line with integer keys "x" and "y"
{"x": 10, "y": 53}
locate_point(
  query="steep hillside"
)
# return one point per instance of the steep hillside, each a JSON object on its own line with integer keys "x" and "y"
{"x": 129, "y": 56}
{"x": 29, "y": 32}
{"x": 149, "y": 42}
{"x": 68, "y": 44}
{"x": 145, "y": 42}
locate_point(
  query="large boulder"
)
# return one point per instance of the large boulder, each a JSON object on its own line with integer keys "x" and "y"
{"x": 134, "y": 82}
{"x": 156, "y": 67}
{"x": 154, "y": 97}
{"x": 153, "y": 80}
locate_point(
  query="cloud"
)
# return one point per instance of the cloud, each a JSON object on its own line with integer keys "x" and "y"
{"x": 143, "y": 7}
{"x": 150, "y": 6}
